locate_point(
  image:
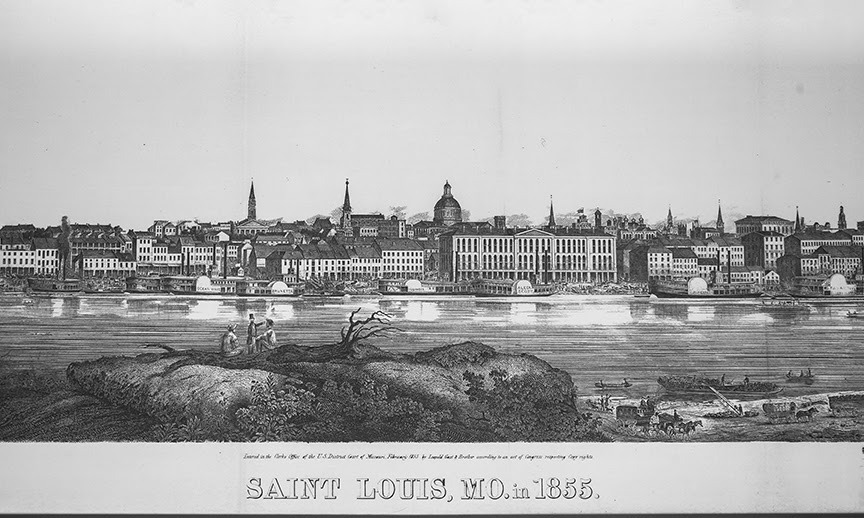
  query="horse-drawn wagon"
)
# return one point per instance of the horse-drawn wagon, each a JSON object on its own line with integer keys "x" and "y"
{"x": 780, "y": 410}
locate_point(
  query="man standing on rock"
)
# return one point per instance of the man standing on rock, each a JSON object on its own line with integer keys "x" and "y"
{"x": 252, "y": 333}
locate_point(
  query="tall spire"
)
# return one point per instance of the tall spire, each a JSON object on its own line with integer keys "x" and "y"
{"x": 669, "y": 219}
{"x": 551, "y": 213}
{"x": 346, "y": 205}
{"x": 251, "y": 213}
{"x": 720, "y": 225}
{"x": 797, "y": 220}
{"x": 841, "y": 219}
{"x": 345, "y": 222}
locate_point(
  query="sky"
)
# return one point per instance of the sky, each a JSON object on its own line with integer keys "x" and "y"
{"x": 124, "y": 112}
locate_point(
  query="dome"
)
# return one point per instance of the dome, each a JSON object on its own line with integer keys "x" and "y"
{"x": 447, "y": 200}
{"x": 447, "y": 210}
{"x": 447, "y": 203}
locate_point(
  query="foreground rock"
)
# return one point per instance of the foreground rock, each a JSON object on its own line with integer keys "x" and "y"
{"x": 463, "y": 392}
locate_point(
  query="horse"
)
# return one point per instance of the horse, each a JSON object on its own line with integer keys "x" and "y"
{"x": 626, "y": 415}
{"x": 690, "y": 426}
{"x": 808, "y": 414}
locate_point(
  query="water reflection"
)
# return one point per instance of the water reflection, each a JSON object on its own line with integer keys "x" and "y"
{"x": 57, "y": 307}
{"x": 700, "y": 313}
{"x": 523, "y": 314}
{"x": 204, "y": 309}
{"x": 585, "y": 315}
{"x": 672, "y": 311}
{"x": 419, "y": 311}
{"x": 280, "y": 311}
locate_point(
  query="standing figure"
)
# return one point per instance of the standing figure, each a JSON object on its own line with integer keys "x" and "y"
{"x": 252, "y": 333}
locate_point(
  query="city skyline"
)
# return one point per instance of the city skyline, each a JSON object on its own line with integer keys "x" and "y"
{"x": 626, "y": 107}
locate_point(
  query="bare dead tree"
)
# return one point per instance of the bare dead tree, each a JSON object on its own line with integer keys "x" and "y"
{"x": 376, "y": 324}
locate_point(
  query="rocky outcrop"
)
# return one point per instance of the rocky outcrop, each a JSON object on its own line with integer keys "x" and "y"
{"x": 186, "y": 384}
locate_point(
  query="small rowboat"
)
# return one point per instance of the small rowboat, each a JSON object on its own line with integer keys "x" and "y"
{"x": 807, "y": 379}
{"x": 602, "y": 385}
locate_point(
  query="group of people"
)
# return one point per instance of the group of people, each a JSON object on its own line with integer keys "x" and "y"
{"x": 255, "y": 343}
{"x": 604, "y": 403}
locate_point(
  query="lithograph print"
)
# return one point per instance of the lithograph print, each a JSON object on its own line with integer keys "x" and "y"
{"x": 596, "y": 224}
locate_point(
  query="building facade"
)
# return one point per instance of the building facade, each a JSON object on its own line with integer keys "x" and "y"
{"x": 750, "y": 224}
{"x": 763, "y": 248}
{"x": 551, "y": 255}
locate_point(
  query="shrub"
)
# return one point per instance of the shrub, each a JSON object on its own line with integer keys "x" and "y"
{"x": 528, "y": 407}
{"x": 335, "y": 412}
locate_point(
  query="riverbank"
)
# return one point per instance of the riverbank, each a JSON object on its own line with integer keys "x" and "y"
{"x": 838, "y": 417}
{"x": 48, "y": 407}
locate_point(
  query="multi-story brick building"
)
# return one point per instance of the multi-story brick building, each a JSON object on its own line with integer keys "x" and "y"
{"x": 805, "y": 243}
{"x": 102, "y": 263}
{"x": 763, "y": 248}
{"x": 17, "y": 256}
{"x": 685, "y": 264}
{"x": 46, "y": 259}
{"x": 401, "y": 258}
{"x": 825, "y": 260}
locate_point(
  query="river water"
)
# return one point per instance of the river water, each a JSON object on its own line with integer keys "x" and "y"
{"x": 594, "y": 338}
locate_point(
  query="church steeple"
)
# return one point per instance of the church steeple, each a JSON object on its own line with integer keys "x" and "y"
{"x": 797, "y": 220}
{"x": 346, "y": 205}
{"x": 841, "y": 219}
{"x": 669, "y": 219}
{"x": 346, "y": 208}
{"x": 251, "y": 213}
{"x": 551, "y": 213}
{"x": 720, "y": 225}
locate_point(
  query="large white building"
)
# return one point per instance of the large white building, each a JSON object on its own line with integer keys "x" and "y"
{"x": 479, "y": 250}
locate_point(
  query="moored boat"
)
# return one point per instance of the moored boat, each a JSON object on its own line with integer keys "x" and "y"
{"x": 396, "y": 287}
{"x": 46, "y": 285}
{"x": 511, "y": 288}
{"x": 698, "y": 288}
{"x": 704, "y": 385}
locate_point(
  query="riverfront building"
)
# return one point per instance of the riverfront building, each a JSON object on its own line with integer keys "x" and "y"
{"x": 481, "y": 250}
{"x": 764, "y": 224}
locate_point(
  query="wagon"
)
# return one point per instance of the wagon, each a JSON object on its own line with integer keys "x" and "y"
{"x": 779, "y": 410}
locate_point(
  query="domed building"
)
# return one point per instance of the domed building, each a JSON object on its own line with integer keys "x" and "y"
{"x": 447, "y": 210}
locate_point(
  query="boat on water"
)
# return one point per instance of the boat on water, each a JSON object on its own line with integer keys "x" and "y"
{"x": 59, "y": 286}
{"x": 698, "y": 288}
{"x": 603, "y": 385}
{"x": 703, "y": 385}
{"x": 853, "y": 314}
{"x": 782, "y": 302}
{"x": 833, "y": 287}
{"x": 511, "y": 288}
{"x": 399, "y": 287}
{"x": 806, "y": 378}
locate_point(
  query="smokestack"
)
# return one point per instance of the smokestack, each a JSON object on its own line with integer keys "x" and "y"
{"x": 224, "y": 259}
{"x": 455, "y": 262}
{"x": 546, "y": 264}
{"x": 729, "y": 264}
